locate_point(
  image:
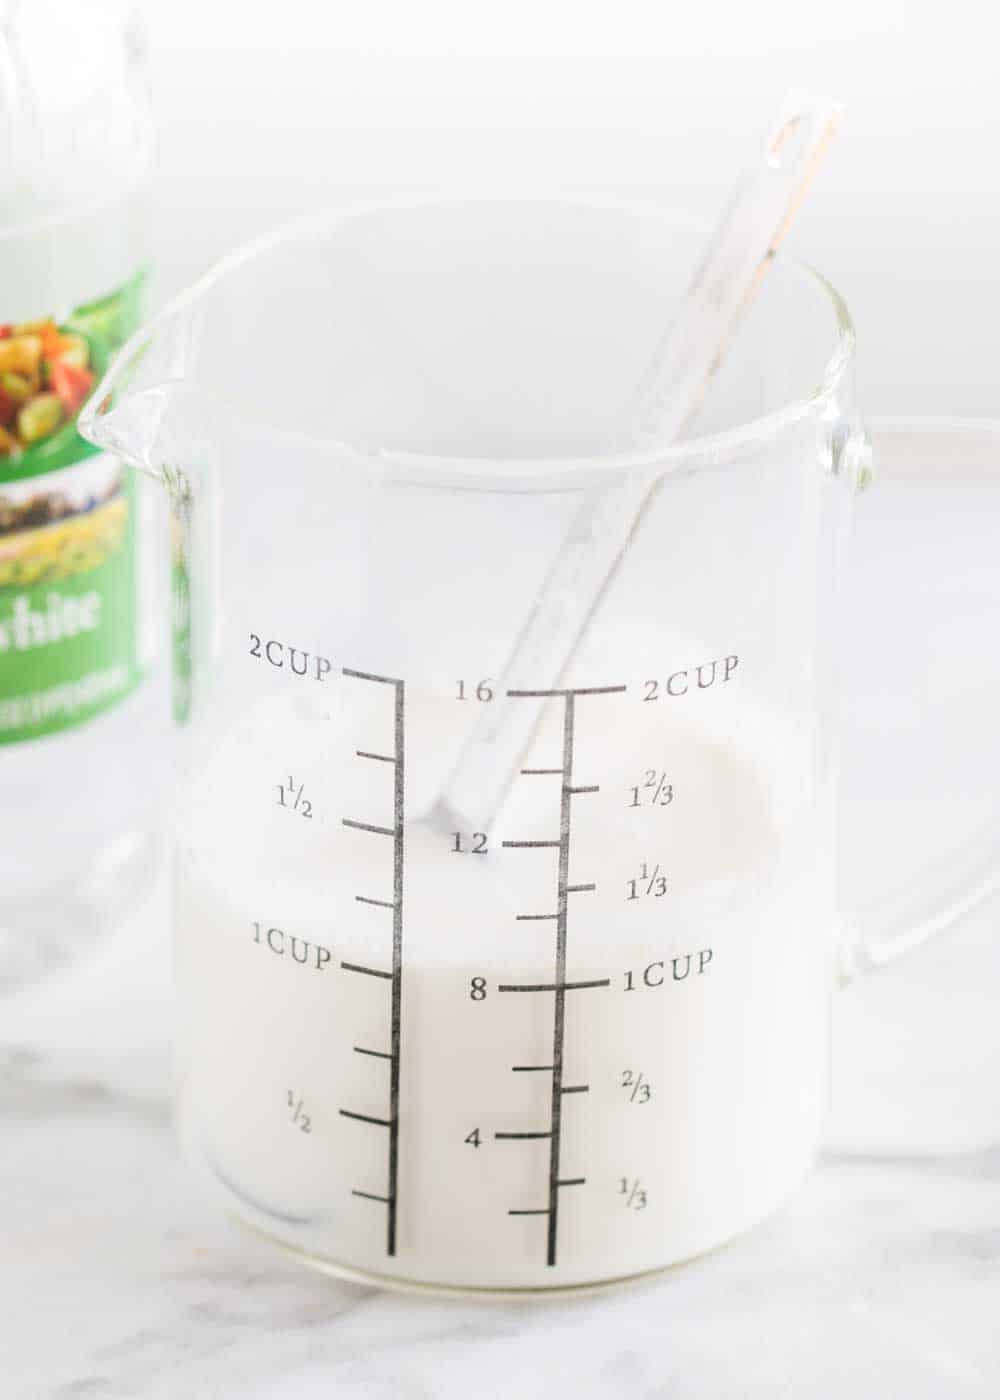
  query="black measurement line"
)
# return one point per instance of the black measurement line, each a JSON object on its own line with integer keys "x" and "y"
{"x": 559, "y": 1015}
{"x": 368, "y": 971}
{"x": 367, "y": 826}
{"x": 532, "y": 845}
{"x": 552, "y": 986}
{"x": 370, "y": 676}
{"x": 397, "y": 960}
{"x": 366, "y": 1118}
{"x": 559, "y": 985}
{"x": 398, "y": 759}
{"x": 521, "y": 1137}
{"x": 572, "y": 690}
{"x": 539, "y": 772}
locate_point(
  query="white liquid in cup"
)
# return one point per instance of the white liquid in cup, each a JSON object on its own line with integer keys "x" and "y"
{"x": 693, "y": 1075}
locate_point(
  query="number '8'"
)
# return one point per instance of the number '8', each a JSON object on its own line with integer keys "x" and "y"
{"x": 478, "y": 989}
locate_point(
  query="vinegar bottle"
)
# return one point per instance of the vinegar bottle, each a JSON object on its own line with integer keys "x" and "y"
{"x": 78, "y": 711}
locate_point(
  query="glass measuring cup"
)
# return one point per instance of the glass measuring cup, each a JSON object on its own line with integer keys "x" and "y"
{"x": 504, "y": 849}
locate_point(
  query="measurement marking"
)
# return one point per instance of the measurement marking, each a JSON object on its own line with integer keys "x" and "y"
{"x": 572, "y": 692}
{"x": 366, "y": 1118}
{"x": 376, "y": 1054}
{"x": 559, "y": 1015}
{"x": 521, "y": 1137}
{"x": 533, "y": 845}
{"x": 367, "y": 826}
{"x": 370, "y": 676}
{"x": 559, "y": 985}
{"x": 395, "y": 976}
{"x": 368, "y": 971}
{"x": 397, "y": 960}
{"x": 541, "y": 1211}
{"x": 529, "y": 1069}
{"x": 552, "y": 986}
{"x": 539, "y": 772}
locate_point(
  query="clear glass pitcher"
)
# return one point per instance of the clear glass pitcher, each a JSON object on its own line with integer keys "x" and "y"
{"x": 505, "y": 863}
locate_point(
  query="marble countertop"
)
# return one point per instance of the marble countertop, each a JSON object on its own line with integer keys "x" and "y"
{"x": 881, "y": 1278}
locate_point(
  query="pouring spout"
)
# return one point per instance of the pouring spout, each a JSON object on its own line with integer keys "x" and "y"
{"x": 131, "y": 427}
{"x": 145, "y": 408}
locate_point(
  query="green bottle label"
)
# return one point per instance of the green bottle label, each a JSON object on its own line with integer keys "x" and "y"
{"x": 68, "y": 525}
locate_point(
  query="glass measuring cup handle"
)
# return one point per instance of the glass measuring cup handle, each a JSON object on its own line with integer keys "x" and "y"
{"x": 942, "y": 894}
{"x": 942, "y": 898}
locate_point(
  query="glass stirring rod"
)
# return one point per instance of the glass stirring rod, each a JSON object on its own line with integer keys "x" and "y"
{"x": 753, "y": 225}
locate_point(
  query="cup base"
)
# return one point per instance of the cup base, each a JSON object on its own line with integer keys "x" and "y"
{"x": 370, "y": 1278}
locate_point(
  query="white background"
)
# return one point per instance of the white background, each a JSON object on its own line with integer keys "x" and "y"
{"x": 267, "y": 108}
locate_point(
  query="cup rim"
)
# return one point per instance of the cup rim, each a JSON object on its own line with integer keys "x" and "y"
{"x": 475, "y": 469}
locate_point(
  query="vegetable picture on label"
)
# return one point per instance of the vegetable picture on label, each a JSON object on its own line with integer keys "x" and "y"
{"x": 67, "y": 526}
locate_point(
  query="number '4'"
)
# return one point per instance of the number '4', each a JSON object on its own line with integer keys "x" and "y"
{"x": 473, "y": 1138}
